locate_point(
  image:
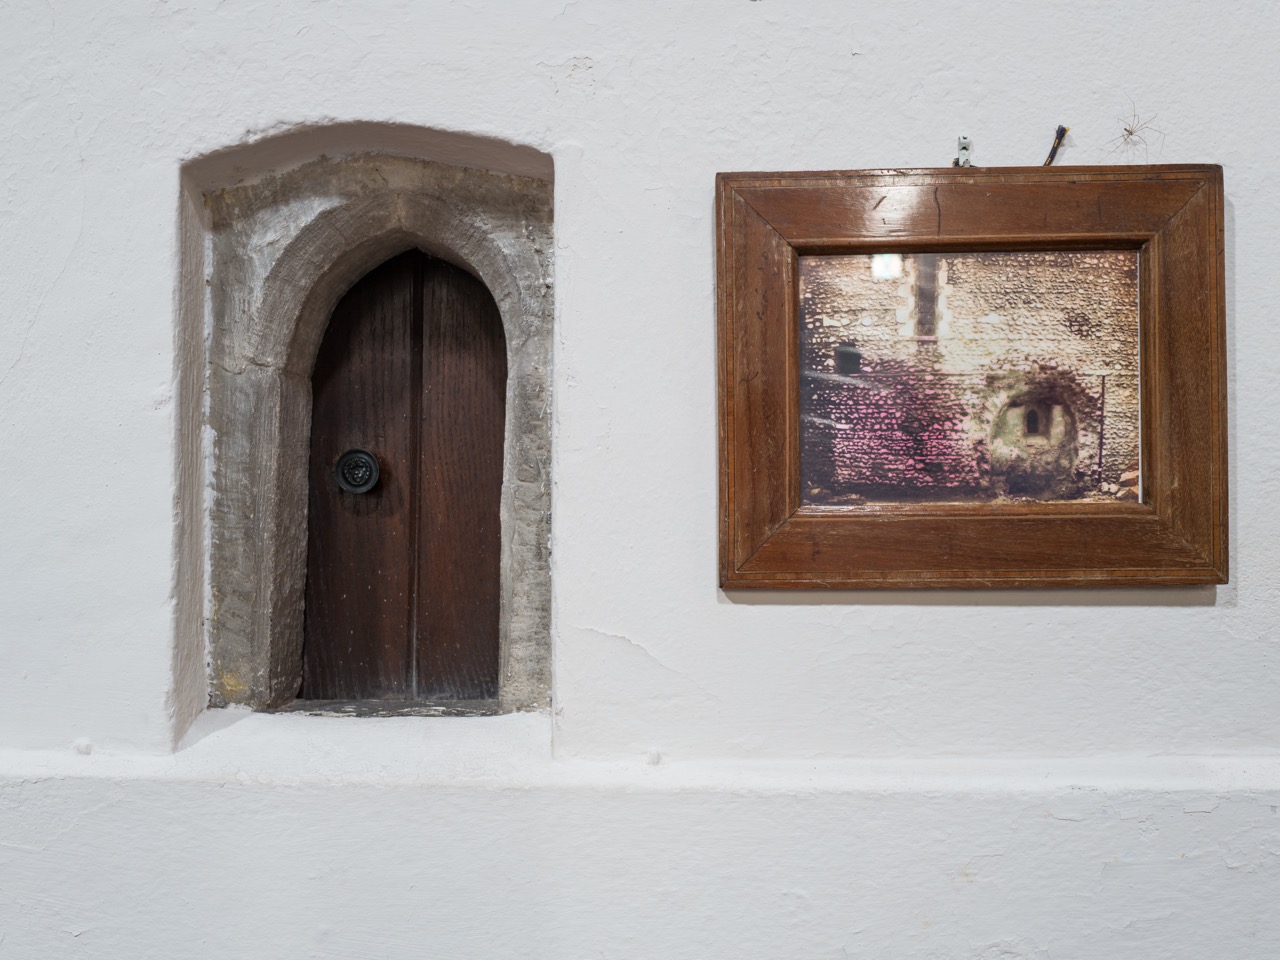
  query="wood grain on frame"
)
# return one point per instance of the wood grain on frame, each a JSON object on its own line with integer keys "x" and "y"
{"x": 1172, "y": 215}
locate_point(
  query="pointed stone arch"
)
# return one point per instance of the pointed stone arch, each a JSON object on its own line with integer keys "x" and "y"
{"x": 282, "y": 251}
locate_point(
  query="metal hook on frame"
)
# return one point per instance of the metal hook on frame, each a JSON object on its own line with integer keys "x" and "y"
{"x": 962, "y": 152}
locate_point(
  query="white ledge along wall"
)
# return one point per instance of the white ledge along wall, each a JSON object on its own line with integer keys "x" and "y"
{"x": 988, "y": 775}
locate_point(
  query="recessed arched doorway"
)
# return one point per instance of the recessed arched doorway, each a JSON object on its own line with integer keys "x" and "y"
{"x": 283, "y": 252}
{"x": 1033, "y": 448}
{"x": 405, "y": 485}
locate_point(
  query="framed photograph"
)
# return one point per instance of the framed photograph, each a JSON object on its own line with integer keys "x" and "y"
{"x": 972, "y": 377}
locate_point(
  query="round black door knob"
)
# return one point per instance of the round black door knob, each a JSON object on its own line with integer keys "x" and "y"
{"x": 357, "y": 471}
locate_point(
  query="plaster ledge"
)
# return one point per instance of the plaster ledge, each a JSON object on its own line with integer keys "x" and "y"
{"x": 514, "y": 751}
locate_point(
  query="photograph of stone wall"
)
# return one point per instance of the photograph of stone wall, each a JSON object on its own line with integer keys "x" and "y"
{"x": 962, "y": 377}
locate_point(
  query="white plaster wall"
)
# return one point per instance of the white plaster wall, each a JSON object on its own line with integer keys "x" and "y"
{"x": 330, "y": 853}
{"x": 769, "y": 827}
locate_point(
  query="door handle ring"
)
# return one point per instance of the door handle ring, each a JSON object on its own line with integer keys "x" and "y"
{"x": 357, "y": 471}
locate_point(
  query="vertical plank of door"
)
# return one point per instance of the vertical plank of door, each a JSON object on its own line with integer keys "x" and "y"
{"x": 360, "y": 581}
{"x": 463, "y": 417}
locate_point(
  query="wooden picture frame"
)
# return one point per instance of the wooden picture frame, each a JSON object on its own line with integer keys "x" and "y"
{"x": 1172, "y": 216}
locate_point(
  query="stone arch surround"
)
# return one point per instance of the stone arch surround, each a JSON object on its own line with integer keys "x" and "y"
{"x": 283, "y": 251}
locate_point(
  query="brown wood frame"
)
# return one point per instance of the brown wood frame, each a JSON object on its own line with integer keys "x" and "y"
{"x": 1173, "y": 217}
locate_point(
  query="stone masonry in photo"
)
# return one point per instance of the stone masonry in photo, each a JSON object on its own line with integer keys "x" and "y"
{"x": 969, "y": 376}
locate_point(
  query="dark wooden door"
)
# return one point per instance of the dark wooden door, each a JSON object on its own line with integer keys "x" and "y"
{"x": 403, "y": 580}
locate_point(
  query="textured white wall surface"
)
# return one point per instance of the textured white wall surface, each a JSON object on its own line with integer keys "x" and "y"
{"x": 990, "y": 775}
